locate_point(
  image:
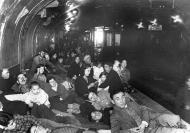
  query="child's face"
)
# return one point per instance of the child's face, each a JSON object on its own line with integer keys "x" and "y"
{"x": 41, "y": 70}
{"x": 35, "y": 89}
{"x": 124, "y": 63}
{"x": 87, "y": 71}
{"x": 47, "y": 57}
{"x": 103, "y": 78}
{"x": 92, "y": 97}
{"x": 53, "y": 83}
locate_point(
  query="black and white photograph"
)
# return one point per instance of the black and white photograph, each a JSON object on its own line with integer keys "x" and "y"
{"x": 94, "y": 66}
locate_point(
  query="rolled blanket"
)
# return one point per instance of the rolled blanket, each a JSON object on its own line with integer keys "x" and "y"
{"x": 15, "y": 97}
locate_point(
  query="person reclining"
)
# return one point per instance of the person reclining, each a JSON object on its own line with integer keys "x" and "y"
{"x": 128, "y": 116}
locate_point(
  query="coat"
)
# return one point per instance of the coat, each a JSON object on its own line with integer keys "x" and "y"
{"x": 113, "y": 81}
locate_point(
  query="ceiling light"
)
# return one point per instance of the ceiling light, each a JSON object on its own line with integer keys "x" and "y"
{"x": 154, "y": 22}
{"x": 140, "y": 25}
{"x": 68, "y": 3}
{"x": 69, "y": 14}
{"x": 177, "y": 19}
{"x": 71, "y": 19}
{"x": 75, "y": 11}
{"x": 67, "y": 27}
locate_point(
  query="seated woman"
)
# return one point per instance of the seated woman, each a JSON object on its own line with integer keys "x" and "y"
{"x": 101, "y": 80}
{"x": 40, "y": 74}
{"x": 60, "y": 69}
{"x": 74, "y": 69}
{"x": 53, "y": 58}
{"x": 56, "y": 89}
{"x": 59, "y": 96}
{"x": 125, "y": 76}
{"x": 38, "y": 59}
{"x": 84, "y": 84}
{"x": 125, "y": 73}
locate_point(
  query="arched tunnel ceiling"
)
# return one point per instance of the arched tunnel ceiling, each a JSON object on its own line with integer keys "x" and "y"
{"x": 116, "y": 9}
{"x": 105, "y": 11}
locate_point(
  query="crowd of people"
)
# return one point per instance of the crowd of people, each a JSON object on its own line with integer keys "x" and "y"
{"x": 54, "y": 97}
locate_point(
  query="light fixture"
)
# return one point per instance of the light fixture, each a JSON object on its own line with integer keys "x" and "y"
{"x": 71, "y": 19}
{"x": 140, "y": 25}
{"x": 68, "y": 3}
{"x": 154, "y": 22}
{"x": 75, "y": 11}
{"x": 177, "y": 19}
{"x": 69, "y": 15}
{"x": 154, "y": 26}
{"x": 72, "y": 13}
